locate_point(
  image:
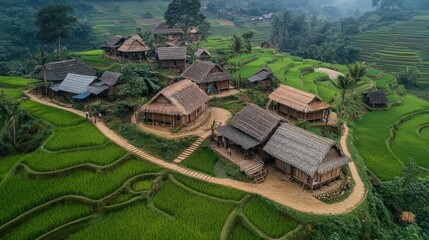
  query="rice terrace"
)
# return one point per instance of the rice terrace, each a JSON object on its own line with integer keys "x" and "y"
{"x": 189, "y": 119}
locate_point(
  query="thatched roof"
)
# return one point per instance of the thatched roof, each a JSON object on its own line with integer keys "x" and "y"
{"x": 238, "y": 137}
{"x": 172, "y": 53}
{"x": 202, "y": 53}
{"x": 193, "y": 30}
{"x": 408, "y": 217}
{"x": 377, "y": 97}
{"x": 299, "y": 100}
{"x": 181, "y": 98}
{"x": 57, "y": 71}
{"x": 114, "y": 42}
{"x": 75, "y": 83}
{"x": 134, "y": 44}
{"x": 256, "y": 122}
{"x": 263, "y": 74}
{"x": 205, "y": 72}
{"x": 304, "y": 150}
{"x": 165, "y": 29}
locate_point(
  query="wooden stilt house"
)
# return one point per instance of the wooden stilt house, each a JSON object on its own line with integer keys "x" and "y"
{"x": 111, "y": 46}
{"x": 134, "y": 49}
{"x": 172, "y": 57}
{"x": 299, "y": 104}
{"x": 175, "y": 106}
{"x": 264, "y": 78}
{"x": 171, "y": 33}
{"x": 306, "y": 157}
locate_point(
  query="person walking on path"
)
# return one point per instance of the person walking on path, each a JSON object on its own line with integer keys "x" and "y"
{"x": 100, "y": 116}
{"x": 95, "y": 120}
{"x": 87, "y": 115}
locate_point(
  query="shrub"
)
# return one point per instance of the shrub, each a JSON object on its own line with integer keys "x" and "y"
{"x": 123, "y": 109}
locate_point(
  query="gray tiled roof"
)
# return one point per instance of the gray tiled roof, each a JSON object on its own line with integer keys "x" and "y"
{"x": 75, "y": 83}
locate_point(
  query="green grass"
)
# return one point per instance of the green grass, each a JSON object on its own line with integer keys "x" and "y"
{"x": 234, "y": 103}
{"x": 241, "y": 233}
{"x": 16, "y": 191}
{"x": 167, "y": 149}
{"x": 372, "y": 131}
{"x": 7, "y": 163}
{"x": 51, "y": 218}
{"x": 268, "y": 219}
{"x": 406, "y": 134}
{"x": 85, "y": 135}
{"x": 425, "y": 132}
{"x": 43, "y": 161}
{"x": 203, "y": 160}
{"x": 211, "y": 189}
{"x": 16, "y": 81}
{"x": 13, "y": 92}
{"x": 52, "y": 115}
{"x": 143, "y": 185}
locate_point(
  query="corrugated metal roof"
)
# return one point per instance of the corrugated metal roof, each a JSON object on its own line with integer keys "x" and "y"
{"x": 75, "y": 83}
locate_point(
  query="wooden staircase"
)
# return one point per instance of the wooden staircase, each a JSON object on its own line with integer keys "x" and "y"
{"x": 254, "y": 169}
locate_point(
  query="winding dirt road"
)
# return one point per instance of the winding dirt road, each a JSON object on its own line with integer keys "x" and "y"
{"x": 295, "y": 199}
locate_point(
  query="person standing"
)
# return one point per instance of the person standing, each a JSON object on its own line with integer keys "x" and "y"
{"x": 87, "y": 115}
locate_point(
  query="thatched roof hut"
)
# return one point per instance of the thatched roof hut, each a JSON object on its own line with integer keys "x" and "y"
{"x": 57, "y": 71}
{"x": 205, "y": 73}
{"x": 165, "y": 29}
{"x": 114, "y": 42}
{"x": 305, "y": 150}
{"x": 298, "y": 99}
{"x": 183, "y": 98}
{"x": 264, "y": 78}
{"x": 134, "y": 44}
{"x": 377, "y": 99}
{"x": 203, "y": 54}
{"x": 250, "y": 127}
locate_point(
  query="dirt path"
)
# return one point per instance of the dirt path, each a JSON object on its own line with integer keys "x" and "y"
{"x": 298, "y": 200}
{"x": 333, "y": 75}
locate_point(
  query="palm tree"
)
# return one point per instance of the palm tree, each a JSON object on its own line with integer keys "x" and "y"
{"x": 40, "y": 61}
{"x": 345, "y": 83}
{"x": 357, "y": 72}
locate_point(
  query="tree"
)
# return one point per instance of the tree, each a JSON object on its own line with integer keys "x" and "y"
{"x": 186, "y": 14}
{"x": 357, "y": 72}
{"x": 54, "y": 23}
{"x": 39, "y": 60}
{"x": 383, "y": 4}
{"x": 345, "y": 83}
{"x": 138, "y": 80}
{"x": 239, "y": 45}
{"x": 280, "y": 26}
{"x": 9, "y": 111}
{"x": 409, "y": 77}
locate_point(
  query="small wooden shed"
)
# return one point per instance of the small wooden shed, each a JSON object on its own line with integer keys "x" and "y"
{"x": 263, "y": 78}
{"x": 209, "y": 76}
{"x": 175, "y": 105}
{"x": 377, "y": 99}
{"x": 265, "y": 44}
{"x": 172, "y": 57}
{"x": 307, "y": 157}
{"x": 134, "y": 48}
{"x": 299, "y": 104}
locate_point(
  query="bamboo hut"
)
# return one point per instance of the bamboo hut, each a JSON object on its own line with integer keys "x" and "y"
{"x": 208, "y": 76}
{"x": 264, "y": 78}
{"x": 171, "y": 33}
{"x": 203, "y": 54}
{"x": 299, "y": 104}
{"x": 194, "y": 34}
{"x": 265, "y": 44}
{"x": 172, "y": 57}
{"x": 134, "y": 49}
{"x": 250, "y": 129}
{"x": 307, "y": 157}
{"x": 175, "y": 105}
{"x": 111, "y": 46}
{"x": 377, "y": 99}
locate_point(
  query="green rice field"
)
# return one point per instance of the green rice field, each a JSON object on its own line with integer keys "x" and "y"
{"x": 395, "y": 47}
{"x": 408, "y": 132}
{"x": 372, "y": 132}
{"x": 14, "y": 86}
{"x": 95, "y": 190}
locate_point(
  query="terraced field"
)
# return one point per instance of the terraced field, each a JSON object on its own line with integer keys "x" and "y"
{"x": 97, "y": 190}
{"x": 395, "y": 47}
{"x": 14, "y": 85}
